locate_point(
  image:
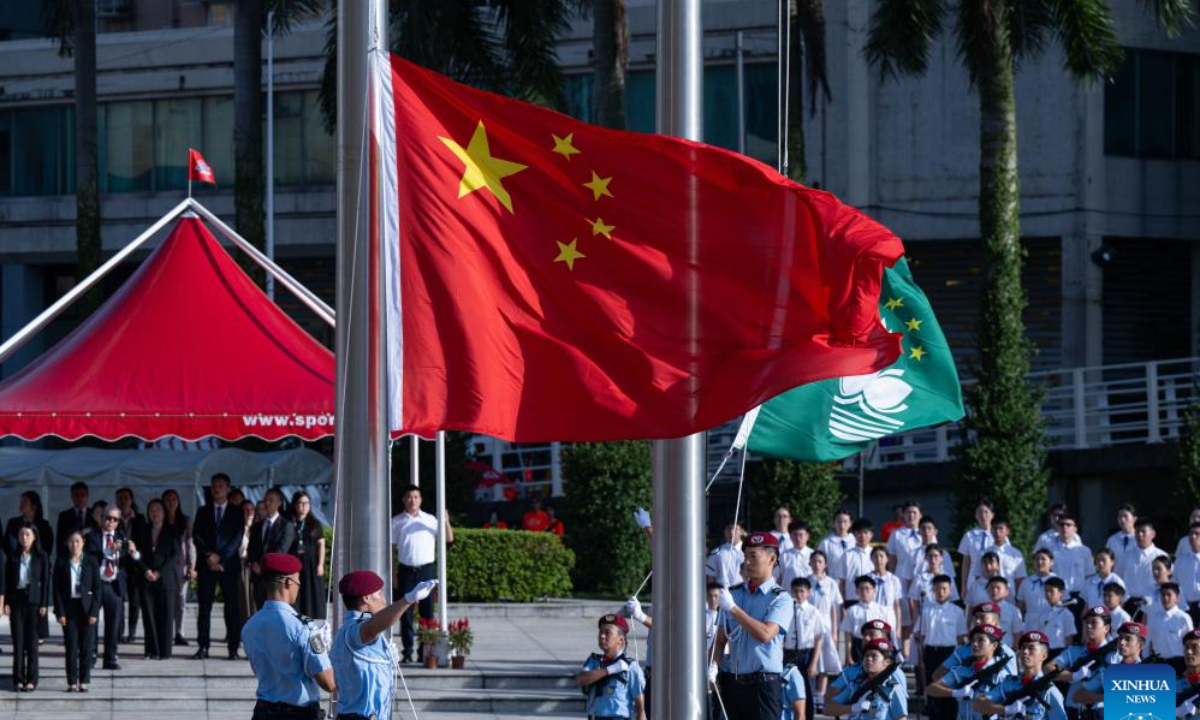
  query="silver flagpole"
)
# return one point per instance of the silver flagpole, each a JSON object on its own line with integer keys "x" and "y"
{"x": 270, "y": 209}
{"x": 361, "y": 451}
{"x": 414, "y": 460}
{"x": 679, "y": 664}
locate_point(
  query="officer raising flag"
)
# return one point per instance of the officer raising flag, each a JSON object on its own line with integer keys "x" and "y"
{"x": 286, "y": 651}
{"x": 364, "y": 659}
{"x": 1029, "y": 695}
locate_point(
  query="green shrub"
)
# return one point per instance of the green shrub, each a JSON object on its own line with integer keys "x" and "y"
{"x": 490, "y": 565}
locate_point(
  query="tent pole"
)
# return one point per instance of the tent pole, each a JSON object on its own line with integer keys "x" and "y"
{"x": 305, "y": 295}
{"x": 22, "y": 336}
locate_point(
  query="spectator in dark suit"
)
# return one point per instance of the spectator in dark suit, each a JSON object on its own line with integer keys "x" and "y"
{"x": 32, "y": 516}
{"x": 76, "y": 591}
{"x": 77, "y": 518}
{"x": 217, "y": 534}
{"x": 114, "y": 553}
{"x": 273, "y": 534}
{"x": 159, "y": 582}
{"x": 27, "y": 573}
{"x": 131, "y": 523}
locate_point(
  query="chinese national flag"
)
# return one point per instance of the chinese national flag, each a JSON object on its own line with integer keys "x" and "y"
{"x": 199, "y": 169}
{"x": 551, "y": 280}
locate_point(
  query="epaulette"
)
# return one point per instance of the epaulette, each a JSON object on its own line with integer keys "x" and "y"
{"x": 595, "y": 656}
{"x": 777, "y": 590}
{"x": 714, "y": 551}
{"x": 737, "y": 587}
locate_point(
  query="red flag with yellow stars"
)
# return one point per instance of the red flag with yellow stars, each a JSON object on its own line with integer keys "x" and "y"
{"x": 551, "y": 280}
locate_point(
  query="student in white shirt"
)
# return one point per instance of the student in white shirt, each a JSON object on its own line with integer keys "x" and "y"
{"x": 1192, "y": 520}
{"x": 1168, "y": 626}
{"x": 941, "y": 626}
{"x": 1012, "y": 560}
{"x": 1048, "y": 536}
{"x": 888, "y": 589}
{"x": 1123, "y": 541}
{"x": 802, "y": 646}
{"x": 1011, "y": 621}
{"x": 836, "y": 543}
{"x": 1160, "y": 570}
{"x": 1072, "y": 559}
{"x": 929, "y": 536}
{"x": 781, "y": 520}
{"x": 976, "y": 541}
{"x": 977, "y": 591}
{"x": 1055, "y": 621}
{"x": 794, "y": 562}
{"x": 866, "y": 609}
{"x": 857, "y": 560}
{"x": 921, "y": 588}
{"x": 1114, "y": 598}
{"x": 827, "y": 598}
{"x": 1093, "y": 586}
{"x": 724, "y": 564}
{"x": 905, "y": 541}
{"x": 1138, "y": 575}
{"x": 1031, "y": 597}
{"x": 1187, "y": 572}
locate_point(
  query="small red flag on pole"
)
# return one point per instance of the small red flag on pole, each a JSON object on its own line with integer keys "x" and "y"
{"x": 199, "y": 169}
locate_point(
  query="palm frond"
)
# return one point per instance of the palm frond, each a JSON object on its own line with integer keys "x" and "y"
{"x": 452, "y": 37}
{"x": 290, "y": 12}
{"x": 810, "y": 17}
{"x": 1028, "y": 21}
{"x": 327, "y": 95}
{"x": 58, "y": 24}
{"x": 1172, "y": 15}
{"x": 530, "y": 29}
{"x": 900, "y": 34}
{"x": 980, "y": 28}
{"x": 1089, "y": 40}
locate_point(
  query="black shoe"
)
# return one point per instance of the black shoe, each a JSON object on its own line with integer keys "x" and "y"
{"x": 406, "y": 659}
{"x": 180, "y": 641}
{"x": 233, "y": 654}
{"x": 112, "y": 666}
{"x": 201, "y": 654}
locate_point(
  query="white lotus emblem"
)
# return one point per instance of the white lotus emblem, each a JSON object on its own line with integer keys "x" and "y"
{"x": 864, "y": 403}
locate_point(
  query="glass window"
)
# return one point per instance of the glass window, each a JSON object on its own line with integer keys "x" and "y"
{"x": 320, "y": 147}
{"x": 1155, "y": 112}
{"x": 1187, "y": 106}
{"x": 578, "y": 90}
{"x": 762, "y": 103}
{"x": 41, "y": 142}
{"x": 177, "y": 127}
{"x": 5, "y": 153}
{"x": 126, "y": 157}
{"x": 289, "y": 138}
{"x": 217, "y": 137}
{"x": 639, "y": 100}
{"x": 1152, "y": 106}
{"x": 1120, "y": 109}
{"x": 720, "y": 106}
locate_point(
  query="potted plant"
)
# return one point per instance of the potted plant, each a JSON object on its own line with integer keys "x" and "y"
{"x": 461, "y": 640}
{"x": 429, "y": 632}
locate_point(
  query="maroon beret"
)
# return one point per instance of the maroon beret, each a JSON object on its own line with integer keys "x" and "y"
{"x": 875, "y": 625}
{"x": 883, "y": 645}
{"x": 985, "y": 607}
{"x": 359, "y": 583}
{"x": 762, "y": 539}
{"x": 1034, "y": 636}
{"x": 1133, "y": 628}
{"x": 988, "y": 629}
{"x": 1191, "y": 635}
{"x": 1097, "y": 611}
{"x": 280, "y": 564}
{"x": 611, "y": 619}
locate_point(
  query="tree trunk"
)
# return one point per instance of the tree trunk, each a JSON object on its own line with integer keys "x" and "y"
{"x": 248, "y": 177}
{"x": 797, "y": 168}
{"x": 87, "y": 171}
{"x": 1006, "y": 459}
{"x": 610, "y": 34}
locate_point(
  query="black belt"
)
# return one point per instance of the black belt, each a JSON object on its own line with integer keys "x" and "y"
{"x": 270, "y": 709}
{"x": 600, "y": 717}
{"x": 410, "y": 567}
{"x": 354, "y": 716}
{"x": 752, "y": 678}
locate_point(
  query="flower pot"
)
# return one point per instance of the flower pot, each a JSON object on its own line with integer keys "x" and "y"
{"x": 431, "y": 661}
{"x": 458, "y": 661}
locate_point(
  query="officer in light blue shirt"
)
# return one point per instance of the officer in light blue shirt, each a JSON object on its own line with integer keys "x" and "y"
{"x": 870, "y": 630}
{"x": 614, "y": 685}
{"x": 755, "y": 616}
{"x": 883, "y": 700}
{"x": 1097, "y": 622}
{"x": 1003, "y": 699}
{"x": 986, "y": 671}
{"x": 287, "y": 654}
{"x": 364, "y": 660}
{"x": 794, "y": 694}
{"x": 985, "y": 613}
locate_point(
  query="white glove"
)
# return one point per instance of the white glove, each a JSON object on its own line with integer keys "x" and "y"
{"x": 421, "y": 591}
{"x": 725, "y": 600}
{"x": 634, "y": 609}
{"x": 642, "y": 518}
{"x": 712, "y": 673}
{"x": 619, "y": 666}
{"x": 1017, "y": 708}
{"x": 963, "y": 693}
{"x": 1188, "y": 708}
{"x": 863, "y": 706}
{"x": 1098, "y": 706}
{"x": 1082, "y": 673}
{"x": 327, "y": 634}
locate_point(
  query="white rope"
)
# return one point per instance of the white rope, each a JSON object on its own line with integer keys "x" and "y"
{"x": 712, "y": 653}
{"x": 408, "y": 694}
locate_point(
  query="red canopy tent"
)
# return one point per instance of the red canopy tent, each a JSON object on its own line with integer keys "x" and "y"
{"x": 188, "y": 347}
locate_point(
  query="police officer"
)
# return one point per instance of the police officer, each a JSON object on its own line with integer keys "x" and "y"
{"x": 888, "y": 700}
{"x": 364, "y": 660}
{"x": 986, "y": 672}
{"x": 287, "y": 653}
{"x": 614, "y": 685}
{"x": 1032, "y": 650}
{"x": 755, "y": 617}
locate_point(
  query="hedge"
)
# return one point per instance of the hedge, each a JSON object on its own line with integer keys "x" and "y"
{"x": 491, "y": 565}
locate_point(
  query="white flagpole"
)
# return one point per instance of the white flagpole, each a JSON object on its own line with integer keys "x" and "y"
{"x": 270, "y": 209}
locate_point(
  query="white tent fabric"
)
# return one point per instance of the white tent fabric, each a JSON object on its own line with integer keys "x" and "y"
{"x": 148, "y": 472}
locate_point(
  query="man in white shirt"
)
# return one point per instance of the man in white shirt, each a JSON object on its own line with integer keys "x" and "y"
{"x": 1168, "y": 626}
{"x": 794, "y": 562}
{"x": 836, "y": 544}
{"x": 975, "y": 542}
{"x": 1048, "y": 536}
{"x": 1123, "y": 541}
{"x": 1192, "y": 520}
{"x": 1072, "y": 559}
{"x": 1139, "y": 574}
{"x": 1012, "y": 560}
{"x": 414, "y": 535}
{"x": 857, "y": 560}
{"x": 782, "y": 519}
{"x": 1187, "y": 572}
{"x": 724, "y": 564}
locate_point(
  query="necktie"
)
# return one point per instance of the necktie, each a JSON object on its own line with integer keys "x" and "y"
{"x": 79, "y": 518}
{"x": 1125, "y": 543}
{"x": 220, "y": 512}
{"x": 843, "y": 545}
{"x": 266, "y": 529}
{"x": 110, "y": 567}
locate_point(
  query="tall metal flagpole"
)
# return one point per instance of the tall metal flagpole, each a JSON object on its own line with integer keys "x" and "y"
{"x": 270, "y": 210}
{"x": 361, "y": 452}
{"x": 679, "y": 662}
{"x": 414, "y": 460}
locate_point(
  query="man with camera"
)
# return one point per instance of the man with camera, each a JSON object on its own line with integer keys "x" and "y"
{"x": 113, "y": 551}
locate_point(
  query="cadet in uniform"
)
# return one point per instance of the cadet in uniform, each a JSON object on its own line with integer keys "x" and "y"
{"x": 364, "y": 659}
{"x": 987, "y": 613}
{"x": 755, "y": 617}
{"x": 1033, "y": 648}
{"x": 1189, "y": 684}
{"x": 888, "y": 701}
{"x": 1132, "y": 638}
{"x": 986, "y": 672}
{"x": 1097, "y": 623}
{"x": 614, "y": 684}
{"x": 286, "y": 652}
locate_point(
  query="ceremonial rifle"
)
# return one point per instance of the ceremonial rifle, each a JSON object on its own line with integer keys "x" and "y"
{"x": 873, "y": 685}
{"x": 1094, "y": 656}
{"x": 1192, "y": 692}
{"x": 1032, "y": 691}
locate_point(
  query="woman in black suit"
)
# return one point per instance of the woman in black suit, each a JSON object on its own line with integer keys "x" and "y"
{"x": 32, "y": 515}
{"x": 77, "y": 607}
{"x": 159, "y": 582}
{"x": 27, "y": 577}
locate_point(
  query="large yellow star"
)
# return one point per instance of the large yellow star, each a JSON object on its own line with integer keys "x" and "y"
{"x": 563, "y": 146}
{"x": 894, "y": 303}
{"x": 914, "y": 324}
{"x": 568, "y": 254}
{"x": 599, "y": 228}
{"x": 483, "y": 170}
{"x": 917, "y": 353}
{"x": 598, "y": 186}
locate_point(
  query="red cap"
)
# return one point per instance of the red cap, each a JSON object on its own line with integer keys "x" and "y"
{"x": 985, "y": 607}
{"x": 883, "y": 645}
{"x": 988, "y": 629}
{"x": 875, "y": 625}
{"x": 280, "y": 564}
{"x": 611, "y": 619}
{"x": 1034, "y": 636}
{"x": 1097, "y": 611}
{"x": 1133, "y": 628}
{"x": 360, "y": 583}
{"x": 1191, "y": 635}
{"x": 761, "y": 539}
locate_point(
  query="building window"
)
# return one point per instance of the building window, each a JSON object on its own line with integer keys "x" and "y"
{"x": 1152, "y": 106}
{"x": 126, "y": 153}
{"x": 177, "y": 127}
{"x": 42, "y": 149}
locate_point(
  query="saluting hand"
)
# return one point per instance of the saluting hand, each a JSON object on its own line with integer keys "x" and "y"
{"x": 421, "y": 591}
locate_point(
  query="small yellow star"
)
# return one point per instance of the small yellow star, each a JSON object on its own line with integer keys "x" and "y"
{"x": 563, "y": 146}
{"x": 599, "y": 228}
{"x": 568, "y": 254}
{"x": 894, "y": 303}
{"x": 482, "y": 170}
{"x": 917, "y": 353}
{"x": 914, "y": 324}
{"x": 598, "y": 186}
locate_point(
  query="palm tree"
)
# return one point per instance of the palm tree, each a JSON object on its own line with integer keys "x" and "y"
{"x": 1007, "y": 455}
{"x": 610, "y": 42}
{"x": 506, "y": 46}
{"x": 807, "y": 71}
{"x": 73, "y": 26}
{"x": 249, "y": 25}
